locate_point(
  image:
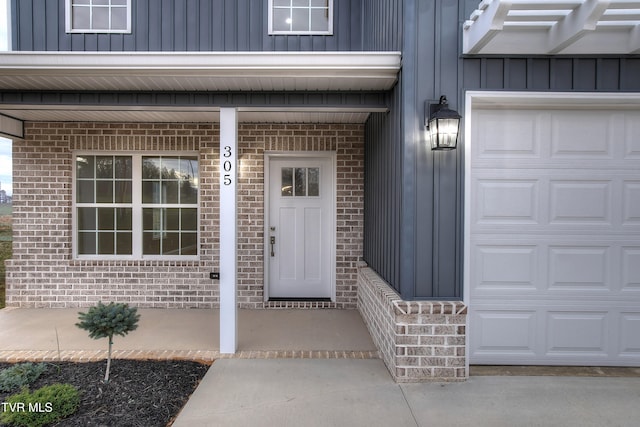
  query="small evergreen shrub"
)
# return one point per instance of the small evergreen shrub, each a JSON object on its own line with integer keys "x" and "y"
{"x": 46, "y": 405}
{"x": 105, "y": 321}
{"x": 20, "y": 375}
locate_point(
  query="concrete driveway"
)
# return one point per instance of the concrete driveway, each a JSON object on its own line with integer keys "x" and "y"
{"x": 348, "y": 392}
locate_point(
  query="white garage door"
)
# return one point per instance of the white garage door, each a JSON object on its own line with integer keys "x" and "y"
{"x": 554, "y": 236}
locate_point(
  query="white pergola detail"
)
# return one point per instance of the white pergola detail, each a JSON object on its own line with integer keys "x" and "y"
{"x": 549, "y": 27}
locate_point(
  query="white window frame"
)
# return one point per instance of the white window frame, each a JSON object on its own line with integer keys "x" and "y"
{"x": 328, "y": 31}
{"x": 69, "y": 22}
{"x": 136, "y": 205}
{"x": 8, "y": 29}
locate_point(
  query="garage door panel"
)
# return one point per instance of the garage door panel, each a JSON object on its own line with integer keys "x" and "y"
{"x": 554, "y": 237}
{"x": 629, "y": 334}
{"x": 631, "y": 270}
{"x": 561, "y": 134}
{"x": 520, "y": 135}
{"x": 507, "y": 200}
{"x": 631, "y": 139}
{"x": 579, "y": 267}
{"x": 573, "y": 335}
{"x": 582, "y": 134}
{"x": 573, "y": 200}
{"x": 499, "y": 332}
{"x": 580, "y": 201}
{"x": 631, "y": 203}
{"x": 507, "y": 268}
{"x": 554, "y": 267}
{"x": 576, "y": 333}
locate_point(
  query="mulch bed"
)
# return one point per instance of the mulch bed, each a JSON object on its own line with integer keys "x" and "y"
{"x": 139, "y": 393}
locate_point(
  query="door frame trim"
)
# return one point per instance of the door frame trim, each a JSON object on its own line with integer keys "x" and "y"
{"x": 292, "y": 155}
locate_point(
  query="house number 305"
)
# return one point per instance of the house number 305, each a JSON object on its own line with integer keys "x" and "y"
{"x": 227, "y": 165}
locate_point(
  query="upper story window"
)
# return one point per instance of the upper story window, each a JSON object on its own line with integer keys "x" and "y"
{"x": 98, "y": 16}
{"x": 300, "y": 16}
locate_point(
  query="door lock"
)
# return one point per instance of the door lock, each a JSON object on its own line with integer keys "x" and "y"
{"x": 273, "y": 242}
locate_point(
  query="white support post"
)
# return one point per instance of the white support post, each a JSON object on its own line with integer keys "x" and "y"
{"x": 228, "y": 236}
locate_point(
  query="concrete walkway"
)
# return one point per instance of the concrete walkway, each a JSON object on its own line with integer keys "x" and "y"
{"x": 318, "y": 368}
{"x": 51, "y": 334}
{"x": 348, "y": 392}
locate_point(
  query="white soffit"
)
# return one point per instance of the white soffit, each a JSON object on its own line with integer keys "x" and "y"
{"x": 93, "y": 113}
{"x": 199, "y": 71}
{"x": 549, "y": 27}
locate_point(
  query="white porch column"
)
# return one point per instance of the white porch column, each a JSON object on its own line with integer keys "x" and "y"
{"x": 228, "y": 244}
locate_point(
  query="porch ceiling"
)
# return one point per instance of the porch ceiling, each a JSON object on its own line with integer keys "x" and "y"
{"x": 180, "y": 114}
{"x": 552, "y": 27}
{"x": 79, "y": 86}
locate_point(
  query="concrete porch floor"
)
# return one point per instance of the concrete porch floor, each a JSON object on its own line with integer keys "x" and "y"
{"x": 51, "y": 334}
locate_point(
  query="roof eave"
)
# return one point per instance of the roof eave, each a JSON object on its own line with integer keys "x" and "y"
{"x": 199, "y": 70}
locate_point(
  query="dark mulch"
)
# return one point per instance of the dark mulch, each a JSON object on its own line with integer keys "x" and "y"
{"x": 139, "y": 393}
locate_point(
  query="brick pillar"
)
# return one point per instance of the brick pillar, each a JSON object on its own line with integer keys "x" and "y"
{"x": 418, "y": 340}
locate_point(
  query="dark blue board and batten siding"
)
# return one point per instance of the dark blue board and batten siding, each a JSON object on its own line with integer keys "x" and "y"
{"x": 383, "y": 30}
{"x": 413, "y": 196}
{"x": 183, "y": 25}
{"x": 412, "y": 205}
{"x": 561, "y": 74}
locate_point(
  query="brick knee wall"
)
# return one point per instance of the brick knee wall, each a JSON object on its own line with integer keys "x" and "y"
{"x": 418, "y": 340}
{"x": 43, "y": 273}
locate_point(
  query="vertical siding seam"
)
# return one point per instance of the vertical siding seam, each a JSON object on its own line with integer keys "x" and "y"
{"x": 506, "y": 72}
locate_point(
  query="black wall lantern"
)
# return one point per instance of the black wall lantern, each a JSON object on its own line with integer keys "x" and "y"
{"x": 443, "y": 125}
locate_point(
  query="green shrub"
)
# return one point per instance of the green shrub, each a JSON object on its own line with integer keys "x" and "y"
{"x": 105, "y": 321}
{"x": 20, "y": 375}
{"x": 46, "y": 405}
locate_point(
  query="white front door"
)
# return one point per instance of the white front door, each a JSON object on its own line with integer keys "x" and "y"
{"x": 300, "y": 242}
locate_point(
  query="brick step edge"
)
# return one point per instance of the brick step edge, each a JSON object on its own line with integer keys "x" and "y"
{"x": 12, "y": 356}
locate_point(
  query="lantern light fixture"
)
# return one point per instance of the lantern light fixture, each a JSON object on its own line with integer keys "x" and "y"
{"x": 443, "y": 125}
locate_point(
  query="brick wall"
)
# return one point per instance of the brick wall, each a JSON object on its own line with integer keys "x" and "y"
{"x": 418, "y": 340}
{"x": 348, "y": 143}
{"x": 43, "y": 272}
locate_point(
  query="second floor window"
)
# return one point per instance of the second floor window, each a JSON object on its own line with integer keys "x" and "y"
{"x": 300, "y": 16}
{"x": 98, "y": 16}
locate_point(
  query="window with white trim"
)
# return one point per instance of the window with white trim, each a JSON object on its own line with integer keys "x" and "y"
{"x": 301, "y": 17}
{"x": 98, "y": 16}
{"x": 136, "y": 206}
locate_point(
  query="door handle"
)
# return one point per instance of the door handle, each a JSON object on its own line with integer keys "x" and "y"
{"x": 272, "y": 240}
